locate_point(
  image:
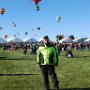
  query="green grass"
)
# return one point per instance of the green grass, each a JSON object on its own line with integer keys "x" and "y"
{"x": 20, "y": 72}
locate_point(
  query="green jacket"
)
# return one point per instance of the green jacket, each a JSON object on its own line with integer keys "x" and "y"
{"x": 46, "y": 55}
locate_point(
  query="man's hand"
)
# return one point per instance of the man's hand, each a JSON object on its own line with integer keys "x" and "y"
{"x": 56, "y": 65}
{"x": 38, "y": 65}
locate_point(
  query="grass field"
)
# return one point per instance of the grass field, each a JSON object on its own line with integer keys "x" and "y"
{"x": 20, "y": 72}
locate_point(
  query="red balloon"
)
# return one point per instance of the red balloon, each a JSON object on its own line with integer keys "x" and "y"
{"x": 36, "y": 1}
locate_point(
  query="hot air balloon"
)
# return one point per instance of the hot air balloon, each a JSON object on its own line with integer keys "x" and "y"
{"x": 2, "y": 11}
{"x": 26, "y": 33}
{"x": 5, "y": 36}
{"x": 0, "y": 28}
{"x": 58, "y": 18}
{"x": 36, "y": 3}
{"x": 14, "y": 25}
{"x": 38, "y": 28}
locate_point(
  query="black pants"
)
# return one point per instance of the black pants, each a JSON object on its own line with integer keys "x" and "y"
{"x": 49, "y": 69}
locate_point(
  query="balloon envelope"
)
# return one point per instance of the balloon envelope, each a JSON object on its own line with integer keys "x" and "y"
{"x": 26, "y": 33}
{"x": 2, "y": 11}
{"x": 58, "y": 18}
{"x": 36, "y": 1}
{"x": 14, "y": 25}
{"x": 5, "y": 36}
{"x": 0, "y": 28}
{"x": 38, "y": 28}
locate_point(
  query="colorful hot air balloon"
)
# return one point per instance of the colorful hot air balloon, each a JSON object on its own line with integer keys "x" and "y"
{"x": 58, "y": 18}
{"x": 2, "y": 11}
{"x": 36, "y": 3}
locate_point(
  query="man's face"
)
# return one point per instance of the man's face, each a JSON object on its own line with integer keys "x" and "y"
{"x": 45, "y": 40}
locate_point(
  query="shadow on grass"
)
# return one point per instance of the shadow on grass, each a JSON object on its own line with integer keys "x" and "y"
{"x": 73, "y": 89}
{"x": 18, "y": 74}
{"x": 5, "y": 58}
{"x": 81, "y": 57}
{"x": 76, "y": 89}
{"x": 77, "y": 56}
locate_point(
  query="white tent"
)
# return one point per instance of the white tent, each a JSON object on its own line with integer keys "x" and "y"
{"x": 30, "y": 40}
{"x": 40, "y": 40}
{"x": 65, "y": 40}
{"x": 75, "y": 40}
{"x": 2, "y": 40}
{"x": 61, "y": 41}
{"x": 87, "y": 40}
{"x": 15, "y": 40}
{"x": 79, "y": 40}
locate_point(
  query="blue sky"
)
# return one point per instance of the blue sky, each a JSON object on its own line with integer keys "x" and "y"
{"x": 75, "y": 18}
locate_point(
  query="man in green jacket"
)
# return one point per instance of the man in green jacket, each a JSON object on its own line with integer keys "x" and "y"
{"x": 47, "y": 59}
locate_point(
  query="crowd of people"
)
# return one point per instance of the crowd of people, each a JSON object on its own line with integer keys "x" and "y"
{"x": 68, "y": 47}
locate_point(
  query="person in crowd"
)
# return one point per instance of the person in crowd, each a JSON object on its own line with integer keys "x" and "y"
{"x": 69, "y": 51}
{"x": 47, "y": 59}
{"x": 25, "y": 49}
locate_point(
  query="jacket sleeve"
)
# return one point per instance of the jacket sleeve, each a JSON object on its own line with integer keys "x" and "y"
{"x": 55, "y": 56}
{"x": 38, "y": 56}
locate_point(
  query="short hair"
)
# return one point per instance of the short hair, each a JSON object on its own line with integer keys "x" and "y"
{"x": 45, "y": 37}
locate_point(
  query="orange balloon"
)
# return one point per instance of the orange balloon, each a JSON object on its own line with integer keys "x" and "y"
{"x": 2, "y": 11}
